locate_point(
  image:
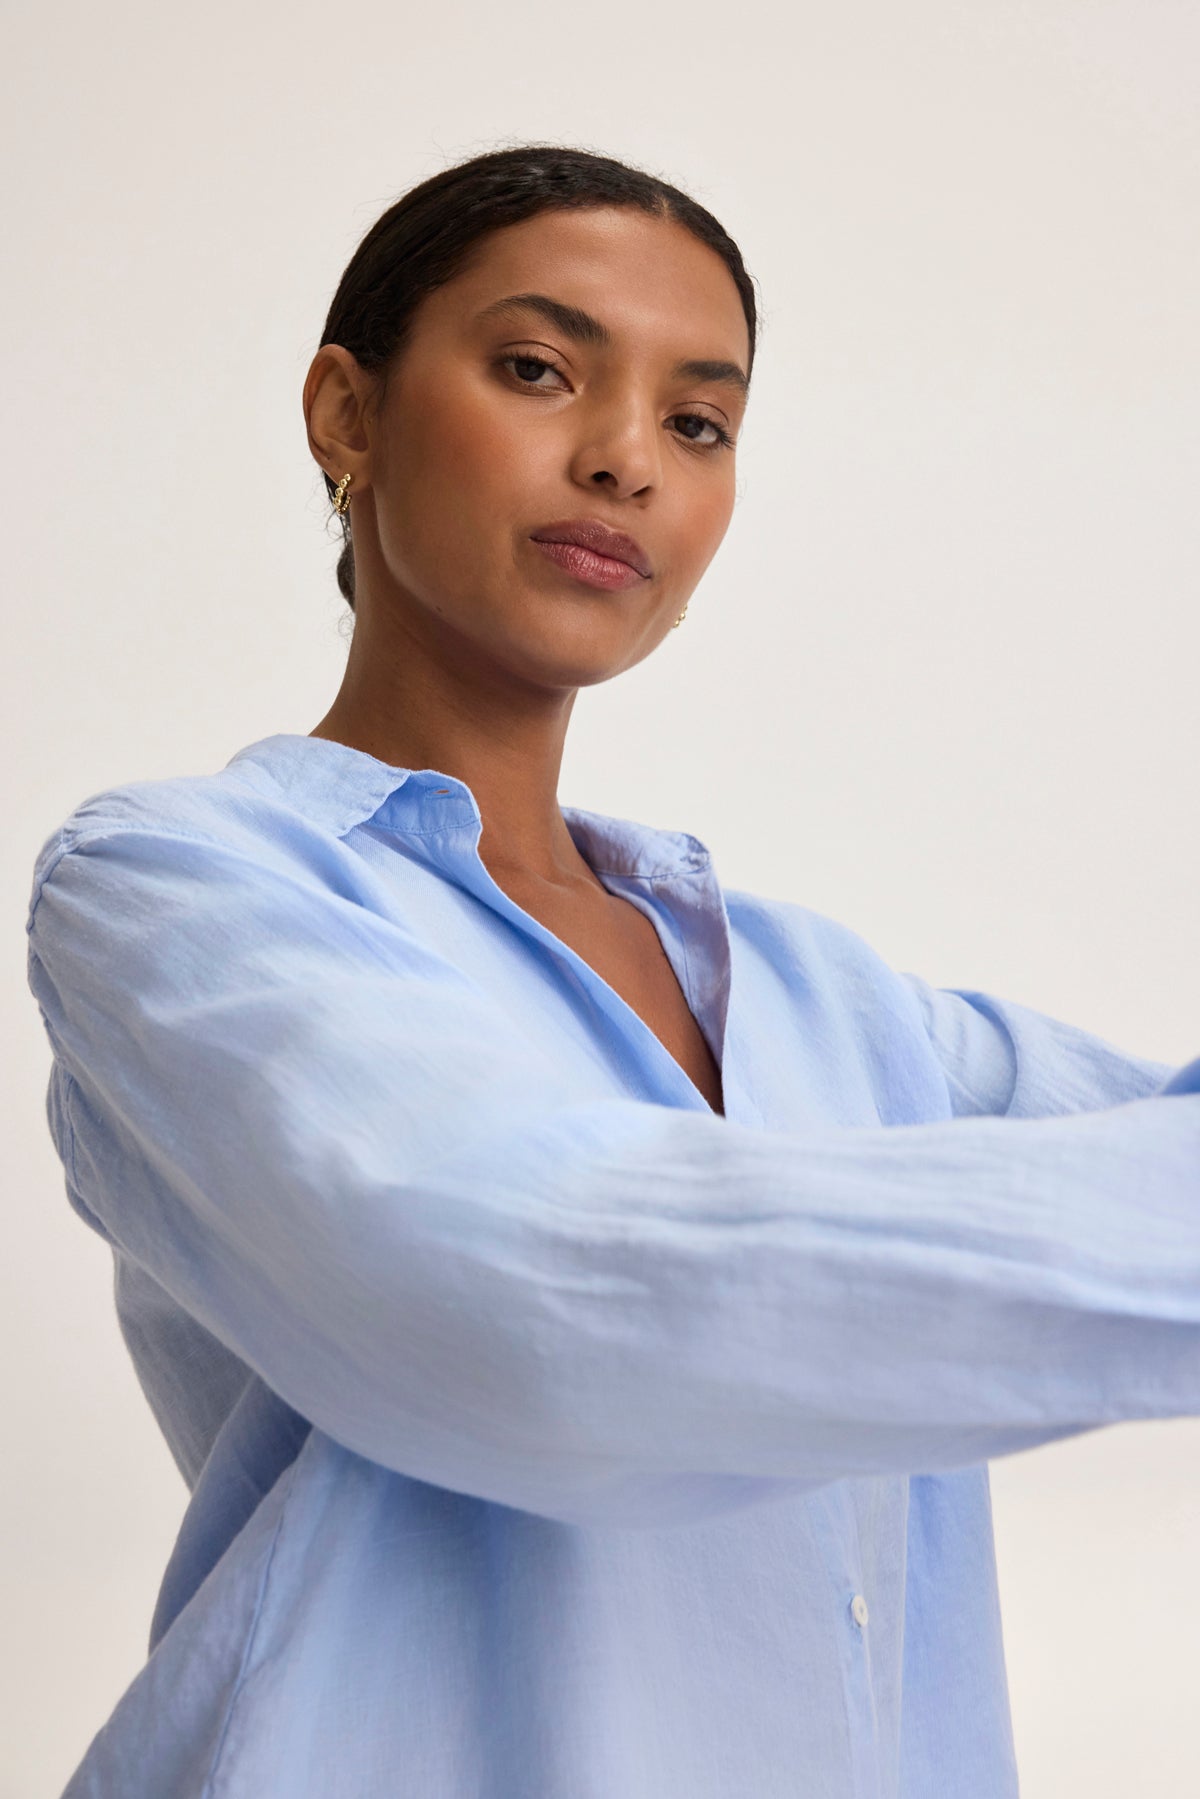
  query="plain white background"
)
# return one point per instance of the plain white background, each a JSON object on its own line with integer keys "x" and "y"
{"x": 939, "y": 683}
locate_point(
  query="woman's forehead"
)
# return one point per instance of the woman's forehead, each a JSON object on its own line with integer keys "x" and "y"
{"x": 618, "y": 274}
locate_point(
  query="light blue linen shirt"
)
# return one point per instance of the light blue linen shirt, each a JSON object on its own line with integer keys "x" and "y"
{"x": 548, "y": 1435}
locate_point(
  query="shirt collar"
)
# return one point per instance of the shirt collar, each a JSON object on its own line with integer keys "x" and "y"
{"x": 339, "y": 787}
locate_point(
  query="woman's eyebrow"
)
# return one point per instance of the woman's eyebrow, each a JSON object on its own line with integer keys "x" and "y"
{"x": 585, "y": 329}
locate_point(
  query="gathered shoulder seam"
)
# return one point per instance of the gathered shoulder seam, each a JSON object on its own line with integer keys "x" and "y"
{"x": 69, "y": 841}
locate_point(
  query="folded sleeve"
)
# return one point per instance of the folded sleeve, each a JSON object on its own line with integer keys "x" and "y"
{"x": 1009, "y": 1060}
{"x": 337, "y": 1152}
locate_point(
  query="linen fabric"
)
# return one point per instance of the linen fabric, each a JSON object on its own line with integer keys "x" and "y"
{"x": 548, "y": 1435}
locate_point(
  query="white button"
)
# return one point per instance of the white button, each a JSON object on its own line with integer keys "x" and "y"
{"x": 858, "y": 1606}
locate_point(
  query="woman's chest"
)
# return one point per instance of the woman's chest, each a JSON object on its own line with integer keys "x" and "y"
{"x": 622, "y": 946}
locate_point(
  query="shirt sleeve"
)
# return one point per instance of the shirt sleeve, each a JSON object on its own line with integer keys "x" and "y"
{"x": 335, "y": 1151}
{"x": 1009, "y": 1060}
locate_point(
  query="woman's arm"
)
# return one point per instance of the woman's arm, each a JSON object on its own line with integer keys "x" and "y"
{"x": 1008, "y": 1060}
{"x": 351, "y": 1166}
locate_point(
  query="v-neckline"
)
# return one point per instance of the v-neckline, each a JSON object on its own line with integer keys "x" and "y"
{"x": 628, "y": 1015}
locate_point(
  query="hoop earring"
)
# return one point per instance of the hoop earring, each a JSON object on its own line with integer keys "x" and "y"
{"x": 681, "y": 618}
{"x": 341, "y": 499}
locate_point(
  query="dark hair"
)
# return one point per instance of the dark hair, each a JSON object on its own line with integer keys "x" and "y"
{"x": 426, "y": 237}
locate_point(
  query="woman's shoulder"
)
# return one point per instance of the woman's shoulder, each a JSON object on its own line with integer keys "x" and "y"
{"x": 236, "y": 807}
{"x": 822, "y": 941}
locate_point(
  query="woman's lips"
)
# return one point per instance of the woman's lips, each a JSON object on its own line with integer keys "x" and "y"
{"x": 587, "y": 565}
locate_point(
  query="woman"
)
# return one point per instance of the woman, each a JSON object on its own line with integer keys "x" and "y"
{"x": 572, "y": 1406}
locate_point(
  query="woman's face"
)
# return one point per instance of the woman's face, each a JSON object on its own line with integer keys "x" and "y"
{"x": 497, "y": 422}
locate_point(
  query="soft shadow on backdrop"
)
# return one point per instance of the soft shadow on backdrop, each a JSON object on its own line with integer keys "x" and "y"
{"x": 951, "y": 636}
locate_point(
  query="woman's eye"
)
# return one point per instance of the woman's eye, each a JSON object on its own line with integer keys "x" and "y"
{"x": 721, "y": 438}
{"x": 518, "y": 363}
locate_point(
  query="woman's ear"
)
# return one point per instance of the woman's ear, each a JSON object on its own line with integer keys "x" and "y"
{"x": 337, "y": 401}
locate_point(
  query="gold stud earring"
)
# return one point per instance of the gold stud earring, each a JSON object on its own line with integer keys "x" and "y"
{"x": 341, "y": 499}
{"x": 681, "y": 618}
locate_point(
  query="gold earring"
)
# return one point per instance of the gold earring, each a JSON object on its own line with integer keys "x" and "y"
{"x": 681, "y": 618}
{"x": 341, "y": 499}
